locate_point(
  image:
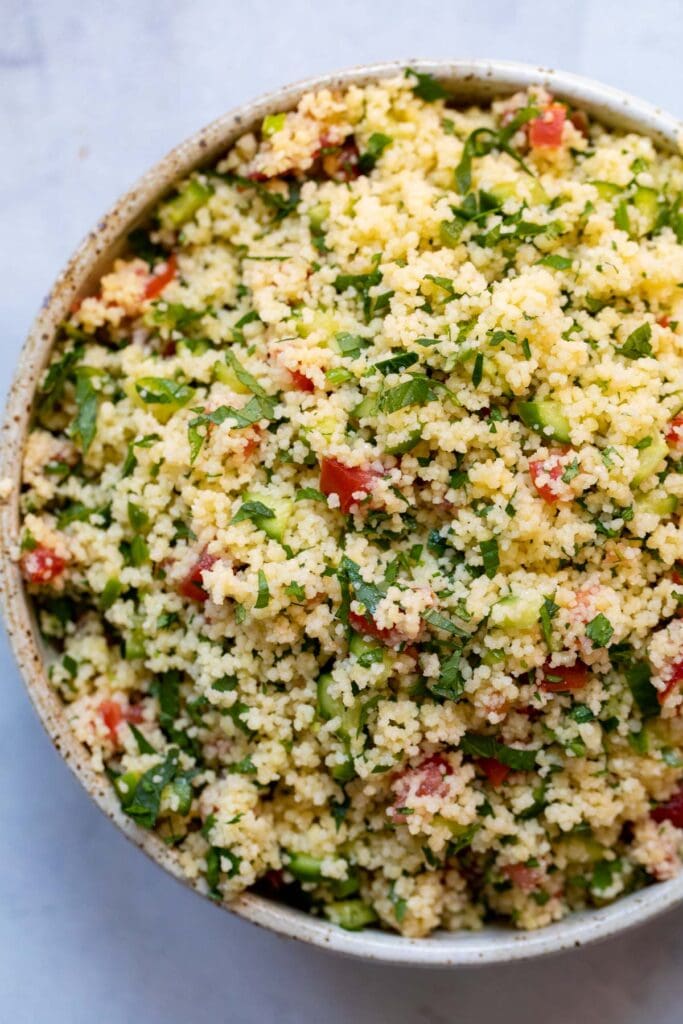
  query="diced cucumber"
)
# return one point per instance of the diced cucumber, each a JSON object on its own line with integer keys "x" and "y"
{"x": 368, "y": 407}
{"x": 273, "y": 526}
{"x": 547, "y": 418}
{"x": 226, "y": 375}
{"x": 606, "y": 189}
{"x": 350, "y": 914}
{"x": 272, "y": 123}
{"x": 646, "y": 201}
{"x": 511, "y": 190}
{"x": 318, "y": 214}
{"x": 650, "y": 460}
{"x": 304, "y": 867}
{"x": 516, "y": 613}
{"x": 345, "y": 887}
{"x": 657, "y": 503}
{"x": 450, "y": 231}
{"x": 361, "y": 649}
{"x": 343, "y": 772}
{"x": 177, "y": 211}
{"x": 328, "y": 706}
{"x": 493, "y": 657}
{"x": 412, "y": 439}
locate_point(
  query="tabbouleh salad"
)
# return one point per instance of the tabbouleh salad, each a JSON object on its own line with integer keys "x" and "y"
{"x": 351, "y": 511}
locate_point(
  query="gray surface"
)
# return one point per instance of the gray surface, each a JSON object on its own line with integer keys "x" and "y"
{"x": 90, "y": 95}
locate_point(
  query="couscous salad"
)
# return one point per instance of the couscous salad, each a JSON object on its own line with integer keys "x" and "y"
{"x": 351, "y": 511}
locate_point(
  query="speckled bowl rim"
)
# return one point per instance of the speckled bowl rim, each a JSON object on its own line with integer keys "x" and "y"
{"x": 469, "y": 80}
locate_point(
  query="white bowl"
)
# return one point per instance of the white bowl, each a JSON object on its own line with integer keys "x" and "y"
{"x": 469, "y": 81}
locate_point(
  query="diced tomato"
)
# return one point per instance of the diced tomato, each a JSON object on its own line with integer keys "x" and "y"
{"x": 340, "y": 162}
{"x": 494, "y": 770}
{"x": 253, "y": 441}
{"x": 426, "y": 779}
{"x": 366, "y": 626}
{"x": 192, "y": 586}
{"x": 674, "y": 435}
{"x": 672, "y": 682}
{"x": 552, "y": 467}
{"x": 41, "y": 565}
{"x": 164, "y": 274}
{"x": 345, "y": 481}
{"x": 301, "y": 382}
{"x": 545, "y": 132}
{"x": 671, "y": 811}
{"x": 526, "y": 879}
{"x": 663, "y": 321}
{"x": 564, "y": 678}
{"x": 113, "y": 714}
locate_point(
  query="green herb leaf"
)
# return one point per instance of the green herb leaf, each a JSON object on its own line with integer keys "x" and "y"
{"x": 426, "y": 88}
{"x": 394, "y": 364}
{"x": 548, "y": 612}
{"x": 487, "y": 746}
{"x": 263, "y": 597}
{"x": 260, "y": 407}
{"x": 600, "y": 630}
{"x": 417, "y": 391}
{"x": 441, "y": 622}
{"x": 637, "y": 345}
{"x": 84, "y": 425}
{"x": 450, "y": 684}
{"x": 490, "y": 556}
{"x": 310, "y": 494}
{"x": 644, "y": 693}
{"x": 555, "y": 261}
{"x": 253, "y": 510}
{"x": 369, "y": 594}
{"x": 377, "y": 143}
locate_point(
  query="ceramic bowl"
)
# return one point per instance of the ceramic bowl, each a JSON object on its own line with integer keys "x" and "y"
{"x": 469, "y": 82}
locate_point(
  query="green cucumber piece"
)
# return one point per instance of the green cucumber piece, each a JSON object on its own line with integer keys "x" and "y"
{"x": 273, "y": 526}
{"x": 650, "y": 459}
{"x": 410, "y": 442}
{"x": 547, "y": 418}
{"x": 304, "y": 867}
{"x": 656, "y": 503}
{"x": 351, "y": 915}
{"x": 182, "y": 208}
{"x": 646, "y": 201}
{"x": 516, "y": 613}
{"x": 606, "y": 189}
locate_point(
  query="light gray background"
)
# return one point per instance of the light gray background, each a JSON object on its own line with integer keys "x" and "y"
{"x": 92, "y": 93}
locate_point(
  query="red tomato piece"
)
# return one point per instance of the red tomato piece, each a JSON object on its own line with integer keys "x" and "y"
{"x": 300, "y": 381}
{"x": 674, "y": 435}
{"x": 366, "y": 626}
{"x": 426, "y": 779}
{"x": 552, "y": 467}
{"x": 192, "y": 586}
{"x": 112, "y": 716}
{"x": 545, "y": 132}
{"x": 672, "y": 682}
{"x": 671, "y": 811}
{"x": 663, "y": 321}
{"x": 253, "y": 441}
{"x": 41, "y": 565}
{"x": 494, "y": 770}
{"x": 158, "y": 281}
{"x": 526, "y": 879}
{"x": 345, "y": 481}
{"x": 564, "y": 678}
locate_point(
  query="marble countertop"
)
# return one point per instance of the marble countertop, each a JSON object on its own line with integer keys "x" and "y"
{"x": 90, "y": 96}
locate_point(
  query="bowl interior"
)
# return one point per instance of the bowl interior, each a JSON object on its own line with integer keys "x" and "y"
{"x": 469, "y": 82}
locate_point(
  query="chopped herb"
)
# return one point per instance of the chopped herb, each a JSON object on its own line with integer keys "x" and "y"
{"x": 394, "y": 364}
{"x": 487, "y": 746}
{"x": 377, "y": 143}
{"x": 441, "y": 622}
{"x": 263, "y": 597}
{"x": 555, "y": 261}
{"x": 645, "y": 695}
{"x": 637, "y": 345}
{"x": 426, "y": 88}
{"x": 600, "y": 630}
{"x": 478, "y": 370}
{"x": 490, "y": 556}
{"x": 548, "y": 612}
{"x": 253, "y": 510}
